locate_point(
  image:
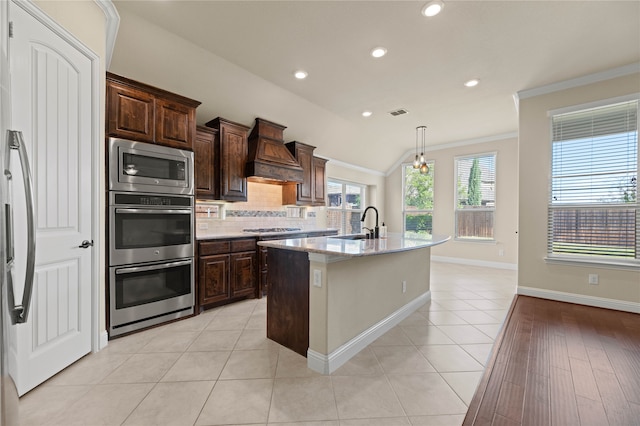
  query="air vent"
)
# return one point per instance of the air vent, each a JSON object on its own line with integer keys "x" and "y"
{"x": 398, "y": 112}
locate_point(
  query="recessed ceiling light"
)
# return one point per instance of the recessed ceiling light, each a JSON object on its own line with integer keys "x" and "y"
{"x": 300, "y": 74}
{"x": 378, "y": 52}
{"x": 432, "y": 8}
{"x": 472, "y": 83}
{"x": 366, "y": 113}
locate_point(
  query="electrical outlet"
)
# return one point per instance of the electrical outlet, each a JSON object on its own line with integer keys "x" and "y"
{"x": 501, "y": 252}
{"x": 593, "y": 279}
{"x": 317, "y": 278}
{"x": 203, "y": 226}
{"x": 404, "y": 286}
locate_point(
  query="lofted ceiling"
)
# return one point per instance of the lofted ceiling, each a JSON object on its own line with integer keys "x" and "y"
{"x": 508, "y": 45}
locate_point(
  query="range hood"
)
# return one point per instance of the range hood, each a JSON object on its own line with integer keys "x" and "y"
{"x": 269, "y": 159}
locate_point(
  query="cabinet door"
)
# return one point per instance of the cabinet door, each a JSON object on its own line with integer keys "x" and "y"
{"x": 319, "y": 166}
{"x": 243, "y": 273}
{"x": 175, "y": 124}
{"x": 214, "y": 279}
{"x": 204, "y": 154}
{"x": 305, "y": 189}
{"x": 234, "y": 151}
{"x": 130, "y": 113}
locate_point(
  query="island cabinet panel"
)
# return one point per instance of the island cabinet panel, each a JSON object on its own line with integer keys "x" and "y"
{"x": 205, "y": 160}
{"x": 288, "y": 301}
{"x": 226, "y": 271}
{"x": 231, "y": 151}
{"x": 145, "y": 113}
{"x": 311, "y": 192}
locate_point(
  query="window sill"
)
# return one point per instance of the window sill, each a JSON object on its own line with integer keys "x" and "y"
{"x": 630, "y": 265}
{"x": 475, "y": 240}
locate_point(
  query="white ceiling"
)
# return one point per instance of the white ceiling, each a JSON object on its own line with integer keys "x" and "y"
{"x": 509, "y": 45}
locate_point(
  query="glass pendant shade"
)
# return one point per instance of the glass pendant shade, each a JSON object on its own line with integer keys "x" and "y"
{"x": 420, "y": 162}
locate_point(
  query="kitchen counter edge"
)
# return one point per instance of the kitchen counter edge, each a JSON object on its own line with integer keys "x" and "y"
{"x": 259, "y": 235}
{"x": 394, "y": 243}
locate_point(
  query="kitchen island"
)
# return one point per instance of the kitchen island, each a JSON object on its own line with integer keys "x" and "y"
{"x": 329, "y": 297}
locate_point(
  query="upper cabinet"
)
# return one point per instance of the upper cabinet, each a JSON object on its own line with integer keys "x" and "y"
{"x": 311, "y": 192}
{"x": 221, "y": 154}
{"x": 205, "y": 159}
{"x": 145, "y": 113}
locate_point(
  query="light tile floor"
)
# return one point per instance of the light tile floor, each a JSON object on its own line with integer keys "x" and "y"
{"x": 218, "y": 368}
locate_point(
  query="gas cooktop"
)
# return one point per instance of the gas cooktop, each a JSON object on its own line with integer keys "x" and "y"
{"x": 260, "y": 230}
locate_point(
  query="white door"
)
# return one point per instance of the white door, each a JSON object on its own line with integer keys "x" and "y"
{"x": 51, "y": 105}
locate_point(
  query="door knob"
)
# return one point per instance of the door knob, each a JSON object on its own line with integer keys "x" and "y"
{"x": 86, "y": 244}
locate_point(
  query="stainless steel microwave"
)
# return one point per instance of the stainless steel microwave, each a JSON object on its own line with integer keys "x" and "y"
{"x": 145, "y": 167}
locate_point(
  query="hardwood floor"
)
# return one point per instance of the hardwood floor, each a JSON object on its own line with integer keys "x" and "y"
{"x": 558, "y": 363}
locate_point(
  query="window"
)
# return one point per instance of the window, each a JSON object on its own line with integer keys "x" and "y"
{"x": 345, "y": 203}
{"x": 475, "y": 196}
{"x": 418, "y": 200}
{"x": 593, "y": 204}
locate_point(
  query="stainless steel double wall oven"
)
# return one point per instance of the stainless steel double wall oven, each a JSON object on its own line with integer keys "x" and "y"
{"x": 151, "y": 234}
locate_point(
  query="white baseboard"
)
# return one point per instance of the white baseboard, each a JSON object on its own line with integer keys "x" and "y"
{"x": 598, "y": 302}
{"x": 474, "y": 262}
{"x": 104, "y": 340}
{"x": 327, "y": 364}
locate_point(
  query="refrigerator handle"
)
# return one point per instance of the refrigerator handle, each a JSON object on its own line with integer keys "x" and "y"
{"x": 19, "y": 313}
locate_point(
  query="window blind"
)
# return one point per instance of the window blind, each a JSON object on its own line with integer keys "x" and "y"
{"x": 593, "y": 206}
{"x": 475, "y": 197}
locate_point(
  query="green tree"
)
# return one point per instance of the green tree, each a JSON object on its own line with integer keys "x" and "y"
{"x": 629, "y": 192}
{"x": 475, "y": 193}
{"x": 418, "y": 189}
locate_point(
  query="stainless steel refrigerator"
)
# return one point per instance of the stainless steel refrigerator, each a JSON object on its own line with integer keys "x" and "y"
{"x": 10, "y": 314}
{"x": 8, "y": 393}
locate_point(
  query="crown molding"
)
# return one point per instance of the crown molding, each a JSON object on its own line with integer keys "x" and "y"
{"x": 113, "y": 23}
{"x": 580, "y": 81}
{"x": 352, "y": 166}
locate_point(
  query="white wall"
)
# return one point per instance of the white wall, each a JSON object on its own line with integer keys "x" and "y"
{"x": 622, "y": 286}
{"x": 148, "y": 53}
{"x": 505, "y": 221}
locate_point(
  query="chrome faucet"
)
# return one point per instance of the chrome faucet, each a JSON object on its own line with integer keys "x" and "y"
{"x": 376, "y": 230}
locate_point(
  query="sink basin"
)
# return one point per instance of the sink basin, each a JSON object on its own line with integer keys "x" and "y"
{"x": 351, "y": 237}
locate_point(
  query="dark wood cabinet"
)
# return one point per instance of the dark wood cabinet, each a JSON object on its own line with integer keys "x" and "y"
{"x": 288, "y": 301}
{"x": 230, "y": 152}
{"x": 213, "y": 279}
{"x": 311, "y": 192}
{"x": 145, "y": 113}
{"x": 319, "y": 181}
{"x": 263, "y": 253}
{"x": 205, "y": 162}
{"x": 226, "y": 271}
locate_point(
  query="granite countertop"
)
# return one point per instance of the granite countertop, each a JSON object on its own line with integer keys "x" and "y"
{"x": 205, "y": 235}
{"x": 395, "y": 242}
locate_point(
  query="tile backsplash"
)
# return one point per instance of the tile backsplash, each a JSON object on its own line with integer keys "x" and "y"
{"x": 263, "y": 209}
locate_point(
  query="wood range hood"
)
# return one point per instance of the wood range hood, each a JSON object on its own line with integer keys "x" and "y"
{"x": 269, "y": 159}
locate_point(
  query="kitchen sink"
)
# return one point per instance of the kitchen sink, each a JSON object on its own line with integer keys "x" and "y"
{"x": 351, "y": 237}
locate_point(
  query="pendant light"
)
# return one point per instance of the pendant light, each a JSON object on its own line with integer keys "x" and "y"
{"x": 416, "y": 162}
{"x": 420, "y": 162}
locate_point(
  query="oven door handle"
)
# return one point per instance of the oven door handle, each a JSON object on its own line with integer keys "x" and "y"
{"x": 151, "y": 211}
{"x": 152, "y": 267}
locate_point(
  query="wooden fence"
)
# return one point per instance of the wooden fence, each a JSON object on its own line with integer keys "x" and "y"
{"x": 606, "y": 227}
{"x": 474, "y": 224}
